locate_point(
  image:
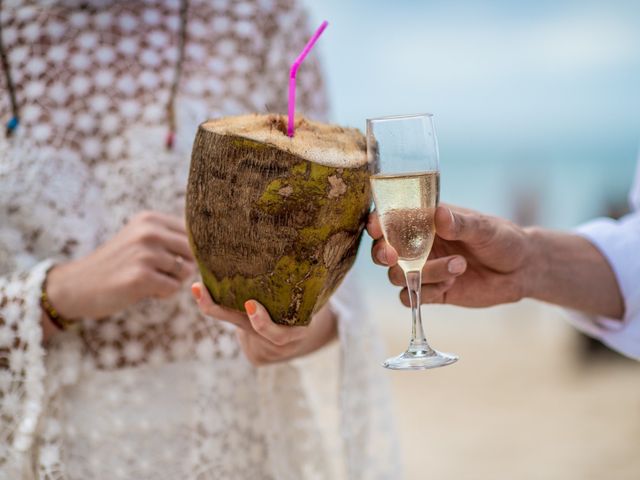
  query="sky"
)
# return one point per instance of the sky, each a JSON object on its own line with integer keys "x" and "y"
{"x": 537, "y": 97}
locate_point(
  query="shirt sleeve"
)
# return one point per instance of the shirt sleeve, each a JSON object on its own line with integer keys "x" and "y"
{"x": 619, "y": 242}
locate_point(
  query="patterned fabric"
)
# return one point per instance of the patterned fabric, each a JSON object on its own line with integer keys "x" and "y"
{"x": 156, "y": 391}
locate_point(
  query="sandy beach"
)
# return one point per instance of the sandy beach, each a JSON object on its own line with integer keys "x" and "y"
{"x": 522, "y": 402}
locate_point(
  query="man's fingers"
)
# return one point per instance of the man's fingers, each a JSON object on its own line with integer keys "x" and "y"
{"x": 432, "y": 293}
{"x": 211, "y": 309}
{"x": 464, "y": 225}
{"x": 373, "y": 226}
{"x": 434, "y": 271}
{"x": 383, "y": 253}
{"x": 261, "y": 322}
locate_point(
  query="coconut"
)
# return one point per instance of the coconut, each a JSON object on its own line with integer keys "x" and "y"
{"x": 274, "y": 218}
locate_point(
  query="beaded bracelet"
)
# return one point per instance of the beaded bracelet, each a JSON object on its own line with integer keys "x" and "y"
{"x": 58, "y": 320}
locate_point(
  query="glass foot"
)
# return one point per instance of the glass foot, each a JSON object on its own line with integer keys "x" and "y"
{"x": 420, "y": 359}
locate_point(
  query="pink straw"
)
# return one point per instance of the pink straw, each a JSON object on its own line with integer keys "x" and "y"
{"x": 294, "y": 70}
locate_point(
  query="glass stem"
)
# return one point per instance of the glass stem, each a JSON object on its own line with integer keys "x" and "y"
{"x": 418, "y": 342}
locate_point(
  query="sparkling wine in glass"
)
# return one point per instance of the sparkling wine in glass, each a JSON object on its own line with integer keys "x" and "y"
{"x": 406, "y": 188}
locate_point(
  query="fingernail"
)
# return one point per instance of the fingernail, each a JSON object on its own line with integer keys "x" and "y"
{"x": 381, "y": 255}
{"x": 196, "y": 291}
{"x": 250, "y": 307}
{"x": 456, "y": 265}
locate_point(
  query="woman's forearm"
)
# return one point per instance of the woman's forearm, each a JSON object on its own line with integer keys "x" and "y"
{"x": 324, "y": 329}
{"x": 568, "y": 270}
{"x": 48, "y": 328}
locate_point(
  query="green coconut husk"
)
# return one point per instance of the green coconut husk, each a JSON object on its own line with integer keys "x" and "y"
{"x": 273, "y": 218}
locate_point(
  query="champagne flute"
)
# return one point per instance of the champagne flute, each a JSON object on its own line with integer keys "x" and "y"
{"x": 406, "y": 188}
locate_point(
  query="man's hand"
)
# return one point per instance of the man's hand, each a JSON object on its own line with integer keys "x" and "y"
{"x": 478, "y": 261}
{"x": 264, "y": 341}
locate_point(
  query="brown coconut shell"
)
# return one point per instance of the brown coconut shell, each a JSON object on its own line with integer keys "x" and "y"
{"x": 273, "y": 218}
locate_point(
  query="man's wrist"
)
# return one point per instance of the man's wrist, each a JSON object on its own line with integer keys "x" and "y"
{"x": 536, "y": 265}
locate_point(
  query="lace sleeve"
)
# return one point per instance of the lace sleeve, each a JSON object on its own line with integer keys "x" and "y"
{"x": 365, "y": 402}
{"x": 22, "y": 369}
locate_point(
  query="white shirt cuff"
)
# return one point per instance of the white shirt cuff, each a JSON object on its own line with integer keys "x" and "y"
{"x": 619, "y": 242}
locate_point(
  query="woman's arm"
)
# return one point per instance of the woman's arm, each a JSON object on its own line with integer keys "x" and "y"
{"x": 264, "y": 341}
{"x": 149, "y": 257}
{"x": 22, "y": 368}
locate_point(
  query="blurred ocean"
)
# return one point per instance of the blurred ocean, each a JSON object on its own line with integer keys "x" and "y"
{"x": 536, "y": 104}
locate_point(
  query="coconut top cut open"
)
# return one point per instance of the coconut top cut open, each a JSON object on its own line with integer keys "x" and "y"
{"x": 329, "y": 145}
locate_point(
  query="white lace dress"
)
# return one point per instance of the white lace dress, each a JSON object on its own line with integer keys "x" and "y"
{"x": 157, "y": 391}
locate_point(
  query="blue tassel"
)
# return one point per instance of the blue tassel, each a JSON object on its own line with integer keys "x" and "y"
{"x": 12, "y": 125}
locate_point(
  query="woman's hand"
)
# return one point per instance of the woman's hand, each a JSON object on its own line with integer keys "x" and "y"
{"x": 149, "y": 257}
{"x": 264, "y": 341}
